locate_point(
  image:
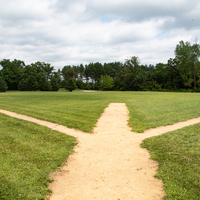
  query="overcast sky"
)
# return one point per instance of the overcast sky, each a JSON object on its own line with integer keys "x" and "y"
{"x": 71, "y": 32}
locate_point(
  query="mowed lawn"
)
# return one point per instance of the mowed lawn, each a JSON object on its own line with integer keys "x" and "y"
{"x": 81, "y": 110}
{"x": 26, "y": 147}
{"x": 28, "y": 154}
{"x": 178, "y": 155}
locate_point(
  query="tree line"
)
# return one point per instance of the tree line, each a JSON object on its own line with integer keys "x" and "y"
{"x": 180, "y": 73}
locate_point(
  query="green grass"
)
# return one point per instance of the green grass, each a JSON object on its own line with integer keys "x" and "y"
{"x": 28, "y": 153}
{"x": 178, "y": 155}
{"x": 81, "y": 110}
{"x": 75, "y": 110}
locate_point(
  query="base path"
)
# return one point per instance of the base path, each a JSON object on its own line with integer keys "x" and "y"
{"x": 108, "y": 164}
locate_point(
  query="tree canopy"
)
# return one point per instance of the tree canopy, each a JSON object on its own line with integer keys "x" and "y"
{"x": 3, "y": 86}
{"x": 187, "y": 56}
{"x": 179, "y": 73}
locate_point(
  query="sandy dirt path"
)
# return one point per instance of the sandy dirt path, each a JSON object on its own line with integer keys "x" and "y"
{"x": 109, "y": 164}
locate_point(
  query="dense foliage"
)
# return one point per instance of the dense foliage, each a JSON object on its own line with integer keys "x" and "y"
{"x": 179, "y": 73}
{"x": 3, "y": 86}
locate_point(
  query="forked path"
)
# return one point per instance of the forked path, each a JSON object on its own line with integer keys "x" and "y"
{"x": 109, "y": 164}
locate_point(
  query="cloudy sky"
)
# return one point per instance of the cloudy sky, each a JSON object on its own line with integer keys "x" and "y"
{"x": 71, "y": 32}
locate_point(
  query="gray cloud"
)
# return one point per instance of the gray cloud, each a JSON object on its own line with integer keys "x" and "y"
{"x": 73, "y": 32}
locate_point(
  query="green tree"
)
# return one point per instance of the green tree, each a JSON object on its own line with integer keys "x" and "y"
{"x": 98, "y": 70}
{"x": 133, "y": 64}
{"x": 90, "y": 71}
{"x": 71, "y": 73}
{"x": 22, "y": 86}
{"x": 174, "y": 79}
{"x": 81, "y": 71}
{"x": 159, "y": 75}
{"x": 12, "y": 72}
{"x": 107, "y": 82}
{"x": 55, "y": 83}
{"x": 97, "y": 84}
{"x": 46, "y": 68}
{"x": 45, "y": 85}
{"x": 64, "y": 70}
{"x": 87, "y": 73}
{"x": 80, "y": 84}
{"x": 132, "y": 74}
{"x": 70, "y": 85}
{"x": 36, "y": 77}
{"x": 3, "y": 86}
{"x": 189, "y": 66}
{"x": 154, "y": 86}
{"x": 32, "y": 84}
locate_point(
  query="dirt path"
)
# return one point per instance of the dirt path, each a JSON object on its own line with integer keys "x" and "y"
{"x": 109, "y": 164}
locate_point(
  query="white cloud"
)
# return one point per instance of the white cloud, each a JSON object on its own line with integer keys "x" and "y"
{"x": 73, "y": 32}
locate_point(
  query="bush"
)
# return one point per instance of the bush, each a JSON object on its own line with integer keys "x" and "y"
{"x": 3, "y": 86}
{"x": 88, "y": 86}
{"x": 70, "y": 85}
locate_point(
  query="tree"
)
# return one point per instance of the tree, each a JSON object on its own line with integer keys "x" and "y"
{"x": 70, "y": 73}
{"x": 154, "y": 86}
{"x": 32, "y": 84}
{"x": 46, "y": 68}
{"x": 98, "y": 70}
{"x": 133, "y": 65}
{"x": 87, "y": 73}
{"x": 159, "y": 75}
{"x": 22, "y": 86}
{"x": 97, "y": 84}
{"x": 80, "y": 84}
{"x": 45, "y": 85}
{"x": 132, "y": 74}
{"x": 81, "y": 71}
{"x": 70, "y": 85}
{"x": 55, "y": 83}
{"x": 90, "y": 71}
{"x": 107, "y": 82}
{"x": 174, "y": 79}
{"x": 12, "y": 72}
{"x": 3, "y": 86}
{"x": 35, "y": 76}
{"x": 64, "y": 70}
{"x": 189, "y": 66}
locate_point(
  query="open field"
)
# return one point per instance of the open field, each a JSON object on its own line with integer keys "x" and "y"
{"x": 177, "y": 152}
{"x": 28, "y": 153}
{"x": 178, "y": 155}
{"x": 81, "y": 110}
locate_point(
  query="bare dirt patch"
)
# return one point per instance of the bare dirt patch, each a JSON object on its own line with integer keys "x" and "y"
{"x": 89, "y": 90}
{"x": 108, "y": 164}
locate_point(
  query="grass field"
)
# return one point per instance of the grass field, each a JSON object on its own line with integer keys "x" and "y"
{"x": 177, "y": 152}
{"x": 28, "y": 153}
{"x": 81, "y": 110}
{"x": 178, "y": 155}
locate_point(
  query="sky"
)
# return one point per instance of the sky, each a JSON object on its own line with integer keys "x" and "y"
{"x": 71, "y": 32}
